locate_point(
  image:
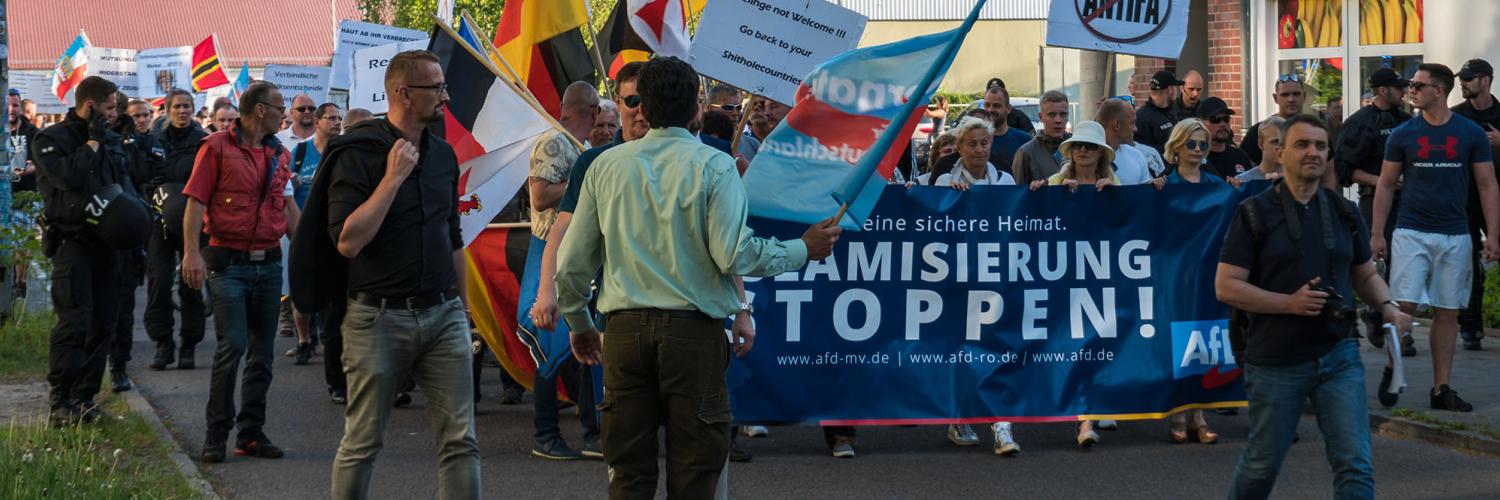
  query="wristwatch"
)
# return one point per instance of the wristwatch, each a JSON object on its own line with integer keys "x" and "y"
{"x": 745, "y": 307}
{"x": 1392, "y": 303}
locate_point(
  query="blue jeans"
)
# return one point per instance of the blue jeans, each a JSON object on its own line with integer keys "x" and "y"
{"x": 1336, "y": 385}
{"x": 544, "y": 407}
{"x": 245, "y": 298}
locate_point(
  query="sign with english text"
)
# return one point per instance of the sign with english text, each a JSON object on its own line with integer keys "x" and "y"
{"x": 768, "y": 46}
{"x": 1152, "y": 28}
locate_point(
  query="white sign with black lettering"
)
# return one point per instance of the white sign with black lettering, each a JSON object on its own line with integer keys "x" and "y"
{"x": 37, "y": 86}
{"x": 294, "y": 80}
{"x": 1155, "y": 28}
{"x": 163, "y": 69}
{"x": 368, "y": 82}
{"x": 116, "y": 65}
{"x": 768, "y": 46}
{"x": 355, "y": 35}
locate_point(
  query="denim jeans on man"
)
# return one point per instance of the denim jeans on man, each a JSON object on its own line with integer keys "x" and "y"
{"x": 1336, "y": 385}
{"x": 244, "y": 298}
{"x": 383, "y": 347}
{"x": 545, "y": 407}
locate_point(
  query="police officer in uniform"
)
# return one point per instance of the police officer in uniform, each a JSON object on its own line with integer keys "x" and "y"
{"x": 143, "y": 156}
{"x": 1155, "y": 118}
{"x": 179, "y": 140}
{"x": 81, "y": 165}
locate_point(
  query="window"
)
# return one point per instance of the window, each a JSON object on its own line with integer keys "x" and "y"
{"x": 1313, "y": 39}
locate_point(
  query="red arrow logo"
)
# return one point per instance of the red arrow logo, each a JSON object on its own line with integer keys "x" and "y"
{"x": 1214, "y": 379}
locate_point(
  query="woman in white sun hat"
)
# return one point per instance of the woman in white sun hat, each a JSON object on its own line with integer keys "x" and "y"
{"x": 1087, "y": 159}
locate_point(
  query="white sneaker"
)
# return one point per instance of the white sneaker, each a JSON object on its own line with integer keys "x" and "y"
{"x": 1106, "y": 425}
{"x": 962, "y": 435}
{"x": 755, "y": 431}
{"x": 1005, "y": 444}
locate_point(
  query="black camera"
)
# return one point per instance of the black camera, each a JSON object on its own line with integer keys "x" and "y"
{"x": 1336, "y": 309}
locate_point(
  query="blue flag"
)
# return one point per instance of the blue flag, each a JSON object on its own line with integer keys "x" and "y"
{"x": 860, "y": 101}
{"x": 242, "y": 83}
{"x": 466, "y": 33}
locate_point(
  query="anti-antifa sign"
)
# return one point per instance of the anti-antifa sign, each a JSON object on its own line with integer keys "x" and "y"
{"x": 1153, "y": 28}
{"x": 767, "y": 46}
{"x": 1002, "y": 302}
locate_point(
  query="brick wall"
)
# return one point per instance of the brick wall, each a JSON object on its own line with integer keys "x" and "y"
{"x": 1225, "y": 60}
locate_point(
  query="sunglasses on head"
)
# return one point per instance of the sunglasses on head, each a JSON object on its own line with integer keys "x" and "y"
{"x": 1218, "y": 119}
{"x": 1291, "y": 77}
{"x": 631, "y": 101}
{"x": 1196, "y": 145}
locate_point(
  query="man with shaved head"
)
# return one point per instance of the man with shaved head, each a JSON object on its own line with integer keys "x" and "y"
{"x": 1186, "y": 104}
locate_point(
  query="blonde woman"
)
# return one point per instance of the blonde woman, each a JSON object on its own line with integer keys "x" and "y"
{"x": 1186, "y": 152}
{"x": 973, "y": 167}
{"x": 1087, "y": 159}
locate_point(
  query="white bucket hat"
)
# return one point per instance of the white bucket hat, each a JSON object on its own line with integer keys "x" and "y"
{"x": 1091, "y": 132}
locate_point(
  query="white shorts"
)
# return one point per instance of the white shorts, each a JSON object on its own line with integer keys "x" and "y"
{"x": 1435, "y": 266}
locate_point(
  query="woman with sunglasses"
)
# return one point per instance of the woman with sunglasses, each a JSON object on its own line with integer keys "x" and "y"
{"x": 1087, "y": 159}
{"x": 1186, "y": 153}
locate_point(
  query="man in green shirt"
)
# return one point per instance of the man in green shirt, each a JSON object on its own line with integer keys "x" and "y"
{"x": 670, "y": 238}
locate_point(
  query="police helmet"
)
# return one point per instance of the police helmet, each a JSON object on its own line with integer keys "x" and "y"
{"x": 117, "y": 218}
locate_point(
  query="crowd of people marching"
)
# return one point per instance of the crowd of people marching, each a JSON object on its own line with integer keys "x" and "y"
{"x": 187, "y": 202}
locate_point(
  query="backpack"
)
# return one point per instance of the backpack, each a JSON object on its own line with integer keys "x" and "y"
{"x": 1239, "y": 320}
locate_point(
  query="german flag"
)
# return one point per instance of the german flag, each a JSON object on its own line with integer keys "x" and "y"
{"x": 543, "y": 42}
{"x": 207, "y": 72}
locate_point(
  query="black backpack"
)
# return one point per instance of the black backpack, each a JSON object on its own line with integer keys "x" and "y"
{"x": 1239, "y": 320}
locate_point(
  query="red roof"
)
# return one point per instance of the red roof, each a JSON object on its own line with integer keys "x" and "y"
{"x": 253, "y": 31}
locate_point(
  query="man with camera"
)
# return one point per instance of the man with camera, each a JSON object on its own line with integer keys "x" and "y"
{"x": 1291, "y": 258}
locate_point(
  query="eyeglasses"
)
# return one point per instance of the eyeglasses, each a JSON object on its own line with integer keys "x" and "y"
{"x": 1218, "y": 119}
{"x": 440, "y": 88}
{"x": 631, "y": 101}
{"x": 304, "y": 109}
{"x": 730, "y": 108}
{"x": 1084, "y": 146}
{"x": 1196, "y": 145}
{"x": 279, "y": 109}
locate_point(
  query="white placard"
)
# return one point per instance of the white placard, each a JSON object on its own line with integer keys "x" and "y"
{"x": 294, "y": 80}
{"x": 164, "y": 69}
{"x": 768, "y": 46}
{"x": 368, "y": 84}
{"x": 37, "y": 86}
{"x": 1154, "y": 29}
{"x": 115, "y": 65}
{"x": 355, "y": 35}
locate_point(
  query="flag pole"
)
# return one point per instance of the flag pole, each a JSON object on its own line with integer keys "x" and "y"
{"x": 739, "y": 131}
{"x": 517, "y": 84}
{"x": 588, "y": 28}
{"x": 490, "y": 51}
{"x": 513, "y": 86}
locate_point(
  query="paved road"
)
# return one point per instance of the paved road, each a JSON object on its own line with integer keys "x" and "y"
{"x": 1134, "y": 462}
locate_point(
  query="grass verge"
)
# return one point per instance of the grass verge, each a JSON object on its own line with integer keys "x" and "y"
{"x": 116, "y": 458}
{"x": 23, "y": 346}
{"x": 1426, "y": 418}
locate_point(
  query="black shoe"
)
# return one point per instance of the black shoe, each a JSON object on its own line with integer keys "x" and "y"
{"x": 185, "y": 358}
{"x": 213, "y": 451}
{"x": 556, "y": 450}
{"x": 1471, "y": 340}
{"x": 64, "y": 415}
{"x": 511, "y": 396}
{"x": 256, "y": 446}
{"x": 1387, "y": 398}
{"x": 1408, "y": 346}
{"x": 118, "y": 381}
{"x": 737, "y": 454}
{"x": 592, "y": 449}
{"x": 403, "y": 399}
{"x": 163, "y": 356}
{"x": 1228, "y": 411}
{"x": 91, "y": 411}
{"x": 304, "y": 353}
{"x": 340, "y": 396}
{"x": 1445, "y": 398}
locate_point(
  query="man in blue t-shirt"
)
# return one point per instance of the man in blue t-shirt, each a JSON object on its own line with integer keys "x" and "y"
{"x": 328, "y": 123}
{"x": 1007, "y": 139}
{"x": 1439, "y": 152}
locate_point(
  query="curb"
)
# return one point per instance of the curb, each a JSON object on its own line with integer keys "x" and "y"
{"x": 1402, "y": 428}
{"x": 185, "y": 465}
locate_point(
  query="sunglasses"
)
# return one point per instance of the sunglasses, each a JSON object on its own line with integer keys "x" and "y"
{"x": 1084, "y": 146}
{"x": 631, "y": 101}
{"x": 1419, "y": 86}
{"x": 304, "y": 109}
{"x": 1196, "y": 145}
{"x": 1126, "y": 98}
{"x": 730, "y": 108}
{"x": 1218, "y": 119}
{"x": 1289, "y": 78}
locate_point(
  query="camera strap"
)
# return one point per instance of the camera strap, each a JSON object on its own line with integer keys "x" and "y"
{"x": 1294, "y": 225}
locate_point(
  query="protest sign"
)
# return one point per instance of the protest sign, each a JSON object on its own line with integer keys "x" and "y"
{"x": 367, "y": 87}
{"x": 1153, "y": 29}
{"x": 163, "y": 69}
{"x": 999, "y": 303}
{"x": 294, "y": 80}
{"x": 116, "y": 65}
{"x": 355, "y": 35}
{"x": 37, "y": 85}
{"x": 768, "y": 46}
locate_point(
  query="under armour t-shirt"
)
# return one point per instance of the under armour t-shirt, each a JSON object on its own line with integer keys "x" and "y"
{"x": 1437, "y": 162}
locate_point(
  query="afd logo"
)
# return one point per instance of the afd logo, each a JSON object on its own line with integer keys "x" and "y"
{"x": 1201, "y": 348}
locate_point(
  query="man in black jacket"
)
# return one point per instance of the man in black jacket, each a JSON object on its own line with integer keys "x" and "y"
{"x": 74, "y": 158}
{"x": 1155, "y": 118}
{"x": 22, "y": 132}
{"x": 143, "y": 156}
{"x": 1475, "y": 79}
{"x": 179, "y": 142}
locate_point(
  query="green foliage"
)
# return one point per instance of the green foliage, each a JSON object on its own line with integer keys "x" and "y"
{"x": 1491, "y": 297}
{"x": 417, "y": 14}
{"x": 23, "y": 346}
{"x": 1328, "y": 83}
{"x": 21, "y": 240}
{"x": 116, "y": 458}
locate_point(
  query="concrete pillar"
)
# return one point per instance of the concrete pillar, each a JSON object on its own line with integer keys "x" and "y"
{"x": 1093, "y": 82}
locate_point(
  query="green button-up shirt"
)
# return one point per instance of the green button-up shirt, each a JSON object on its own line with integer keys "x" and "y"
{"x": 665, "y": 216}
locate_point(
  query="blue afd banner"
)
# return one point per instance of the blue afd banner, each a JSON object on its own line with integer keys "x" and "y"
{"x": 999, "y": 303}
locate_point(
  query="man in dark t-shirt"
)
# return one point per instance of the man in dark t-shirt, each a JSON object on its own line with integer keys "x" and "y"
{"x": 1479, "y": 105}
{"x": 1224, "y": 159}
{"x": 1276, "y": 271}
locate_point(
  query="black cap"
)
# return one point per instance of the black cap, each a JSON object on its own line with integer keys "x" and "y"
{"x": 1213, "y": 106}
{"x": 994, "y": 83}
{"x": 1387, "y": 77}
{"x": 1474, "y": 68}
{"x": 1164, "y": 79}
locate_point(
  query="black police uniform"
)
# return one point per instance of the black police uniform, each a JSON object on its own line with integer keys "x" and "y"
{"x": 85, "y": 270}
{"x": 144, "y": 156}
{"x": 1361, "y": 146}
{"x": 1471, "y": 318}
{"x": 164, "y": 251}
{"x": 1153, "y": 125}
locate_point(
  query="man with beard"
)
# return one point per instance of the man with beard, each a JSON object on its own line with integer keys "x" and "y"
{"x": 179, "y": 140}
{"x": 1475, "y": 78}
{"x": 1186, "y": 104}
{"x": 1007, "y": 139}
{"x": 1038, "y": 159}
{"x": 1224, "y": 160}
{"x": 765, "y": 115}
{"x": 1154, "y": 119}
{"x": 1289, "y": 95}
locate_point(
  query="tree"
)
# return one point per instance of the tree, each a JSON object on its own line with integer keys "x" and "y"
{"x": 417, "y": 14}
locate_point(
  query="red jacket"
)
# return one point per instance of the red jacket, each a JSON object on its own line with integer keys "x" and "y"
{"x": 246, "y": 206}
